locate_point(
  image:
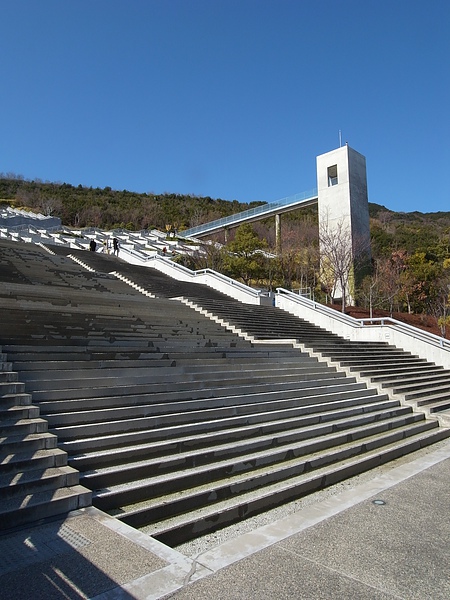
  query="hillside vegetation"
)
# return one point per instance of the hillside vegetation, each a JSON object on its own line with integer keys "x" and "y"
{"x": 108, "y": 209}
{"x": 410, "y": 251}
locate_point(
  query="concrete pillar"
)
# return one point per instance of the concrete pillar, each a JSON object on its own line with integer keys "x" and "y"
{"x": 278, "y": 234}
{"x": 344, "y": 207}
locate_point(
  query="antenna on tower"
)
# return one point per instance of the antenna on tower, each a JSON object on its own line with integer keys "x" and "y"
{"x": 340, "y": 138}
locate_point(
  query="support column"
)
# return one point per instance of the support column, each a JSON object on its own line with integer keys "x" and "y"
{"x": 278, "y": 234}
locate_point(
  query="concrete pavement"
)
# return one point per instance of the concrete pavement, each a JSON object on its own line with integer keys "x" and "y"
{"x": 388, "y": 538}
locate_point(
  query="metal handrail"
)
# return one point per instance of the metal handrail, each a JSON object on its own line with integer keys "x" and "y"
{"x": 431, "y": 338}
{"x": 231, "y": 282}
{"x": 410, "y": 330}
{"x": 321, "y": 308}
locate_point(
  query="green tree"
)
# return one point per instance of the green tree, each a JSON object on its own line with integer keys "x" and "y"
{"x": 245, "y": 258}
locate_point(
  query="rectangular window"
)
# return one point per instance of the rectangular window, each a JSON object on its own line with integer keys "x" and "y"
{"x": 332, "y": 176}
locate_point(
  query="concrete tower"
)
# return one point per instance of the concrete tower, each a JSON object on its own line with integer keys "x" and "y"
{"x": 343, "y": 217}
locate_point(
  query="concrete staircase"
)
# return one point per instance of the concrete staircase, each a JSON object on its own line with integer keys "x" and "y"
{"x": 175, "y": 423}
{"x": 35, "y": 479}
{"x": 423, "y": 385}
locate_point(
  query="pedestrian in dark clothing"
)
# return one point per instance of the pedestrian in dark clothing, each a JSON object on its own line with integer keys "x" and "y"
{"x": 92, "y": 245}
{"x": 116, "y": 246}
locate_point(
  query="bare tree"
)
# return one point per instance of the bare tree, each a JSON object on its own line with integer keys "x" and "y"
{"x": 48, "y": 206}
{"x": 388, "y": 282}
{"x": 198, "y": 217}
{"x": 343, "y": 257}
{"x": 336, "y": 259}
{"x": 368, "y": 292}
{"x": 439, "y": 303}
{"x": 210, "y": 255}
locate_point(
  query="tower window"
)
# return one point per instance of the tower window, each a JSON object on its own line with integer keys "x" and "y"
{"x": 332, "y": 176}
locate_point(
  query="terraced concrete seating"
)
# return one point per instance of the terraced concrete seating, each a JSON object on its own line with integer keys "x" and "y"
{"x": 175, "y": 423}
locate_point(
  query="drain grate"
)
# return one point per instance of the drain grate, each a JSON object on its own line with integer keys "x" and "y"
{"x": 27, "y": 548}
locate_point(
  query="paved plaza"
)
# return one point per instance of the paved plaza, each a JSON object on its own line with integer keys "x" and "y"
{"x": 388, "y": 538}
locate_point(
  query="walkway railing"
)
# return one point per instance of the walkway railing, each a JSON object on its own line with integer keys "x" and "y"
{"x": 320, "y": 308}
{"x": 265, "y": 210}
{"x": 417, "y": 333}
{"x": 408, "y": 330}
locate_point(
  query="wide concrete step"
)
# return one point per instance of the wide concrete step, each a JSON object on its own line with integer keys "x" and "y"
{"x": 30, "y": 481}
{"x": 384, "y": 363}
{"x": 330, "y": 342}
{"x": 31, "y": 442}
{"x": 20, "y": 399}
{"x": 256, "y": 359}
{"x": 190, "y": 500}
{"x": 417, "y": 375}
{"x": 394, "y": 369}
{"x": 251, "y": 363}
{"x": 376, "y": 358}
{"x": 260, "y": 467}
{"x": 72, "y": 347}
{"x": 23, "y": 508}
{"x": 163, "y": 431}
{"x": 171, "y": 419}
{"x": 351, "y": 348}
{"x": 280, "y": 354}
{"x": 11, "y": 387}
{"x": 416, "y": 383}
{"x": 90, "y": 341}
{"x": 40, "y": 350}
{"x": 317, "y": 434}
{"x": 22, "y": 426}
{"x": 126, "y": 376}
{"x": 83, "y": 362}
{"x": 85, "y": 356}
{"x": 308, "y": 338}
{"x": 18, "y": 413}
{"x": 154, "y": 404}
{"x": 31, "y": 459}
{"x": 207, "y": 511}
{"x": 436, "y": 391}
{"x": 55, "y": 370}
{"x": 190, "y": 390}
{"x": 7, "y": 376}
{"x": 435, "y": 406}
{"x": 161, "y": 442}
{"x": 220, "y": 396}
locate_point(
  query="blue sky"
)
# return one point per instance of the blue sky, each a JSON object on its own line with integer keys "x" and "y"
{"x": 231, "y": 99}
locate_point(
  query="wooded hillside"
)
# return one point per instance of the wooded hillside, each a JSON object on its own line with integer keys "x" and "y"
{"x": 108, "y": 209}
{"x": 410, "y": 251}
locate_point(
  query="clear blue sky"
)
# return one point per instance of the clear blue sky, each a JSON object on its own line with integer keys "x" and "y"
{"x": 231, "y": 99}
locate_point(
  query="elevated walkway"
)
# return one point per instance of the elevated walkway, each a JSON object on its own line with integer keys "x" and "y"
{"x": 254, "y": 214}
